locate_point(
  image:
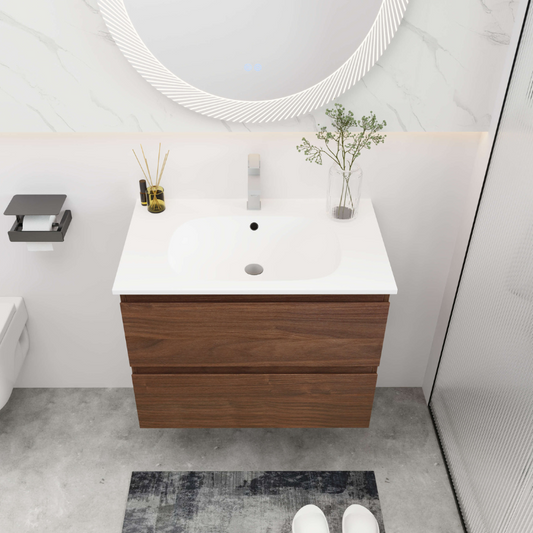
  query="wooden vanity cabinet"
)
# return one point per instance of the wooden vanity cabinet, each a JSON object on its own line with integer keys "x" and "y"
{"x": 254, "y": 361}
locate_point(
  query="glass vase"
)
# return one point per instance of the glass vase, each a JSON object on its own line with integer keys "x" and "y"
{"x": 156, "y": 199}
{"x": 344, "y": 192}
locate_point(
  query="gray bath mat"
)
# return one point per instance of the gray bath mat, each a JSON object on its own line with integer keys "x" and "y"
{"x": 242, "y": 502}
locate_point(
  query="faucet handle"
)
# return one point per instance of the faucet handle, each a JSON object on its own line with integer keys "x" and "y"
{"x": 253, "y": 161}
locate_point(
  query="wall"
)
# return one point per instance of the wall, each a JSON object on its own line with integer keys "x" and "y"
{"x": 416, "y": 182}
{"x": 61, "y": 71}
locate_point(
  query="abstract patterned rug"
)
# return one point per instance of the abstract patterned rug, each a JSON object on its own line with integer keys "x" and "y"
{"x": 242, "y": 502}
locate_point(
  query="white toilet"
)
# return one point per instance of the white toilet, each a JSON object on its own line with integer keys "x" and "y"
{"x": 14, "y": 343}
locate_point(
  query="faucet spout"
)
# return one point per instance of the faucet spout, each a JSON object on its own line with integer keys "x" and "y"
{"x": 254, "y": 182}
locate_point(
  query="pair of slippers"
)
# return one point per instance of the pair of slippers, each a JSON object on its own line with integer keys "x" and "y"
{"x": 356, "y": 519}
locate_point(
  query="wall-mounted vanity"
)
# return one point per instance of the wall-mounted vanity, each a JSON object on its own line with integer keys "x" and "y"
{"x": 213, "y": 346}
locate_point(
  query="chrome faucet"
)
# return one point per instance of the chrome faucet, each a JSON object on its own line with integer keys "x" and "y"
{"x": 254, "y": 182}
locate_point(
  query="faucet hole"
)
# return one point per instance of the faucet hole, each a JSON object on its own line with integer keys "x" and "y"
{"x": 254, "y": 226}
{"x": 253, "y": 269}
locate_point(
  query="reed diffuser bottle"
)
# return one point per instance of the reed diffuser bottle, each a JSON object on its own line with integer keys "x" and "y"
{"x": 155, "y": 194}
{"x": 156, "y": 199}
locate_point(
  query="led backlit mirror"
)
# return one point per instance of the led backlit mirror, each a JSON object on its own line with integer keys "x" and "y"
{"x": 252, "y": 60}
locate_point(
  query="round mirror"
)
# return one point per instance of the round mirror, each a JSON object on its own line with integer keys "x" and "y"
{"x": 252, "y": 60}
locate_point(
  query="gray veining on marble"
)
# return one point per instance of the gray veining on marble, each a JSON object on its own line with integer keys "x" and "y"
{"x": 67, "y": 457}
{"x": 61, "y": 71}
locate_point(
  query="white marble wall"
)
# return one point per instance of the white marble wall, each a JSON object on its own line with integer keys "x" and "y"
{"x": 60, "y": 71}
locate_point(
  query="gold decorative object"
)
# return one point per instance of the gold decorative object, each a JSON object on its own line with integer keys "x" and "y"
{"x": 156, "y": 193}
{"x": 156, "y": 199}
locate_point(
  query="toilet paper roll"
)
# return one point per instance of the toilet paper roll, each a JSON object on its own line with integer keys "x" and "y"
{"x": 38, "y": 223}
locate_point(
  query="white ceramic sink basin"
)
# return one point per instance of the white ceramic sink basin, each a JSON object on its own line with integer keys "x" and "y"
{"x": 285, "y": 247}
{"x": 204, "y": 246}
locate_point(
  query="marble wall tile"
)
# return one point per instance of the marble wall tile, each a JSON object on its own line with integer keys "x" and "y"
{"x": 61, "y": 71}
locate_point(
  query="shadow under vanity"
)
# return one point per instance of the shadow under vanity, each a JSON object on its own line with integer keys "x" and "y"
{"x": 212, "y": 346}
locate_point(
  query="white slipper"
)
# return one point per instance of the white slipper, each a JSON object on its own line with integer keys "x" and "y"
{"x": 358, "y": 519}
{"x": 310, "y": 519}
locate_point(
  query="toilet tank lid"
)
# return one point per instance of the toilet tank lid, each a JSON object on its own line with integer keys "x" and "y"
{"x": 7, "y": 312}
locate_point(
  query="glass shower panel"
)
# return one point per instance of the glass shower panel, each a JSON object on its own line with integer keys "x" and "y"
{"x": 482, "y": 400}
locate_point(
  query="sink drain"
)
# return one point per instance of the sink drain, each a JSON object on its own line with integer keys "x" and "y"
{"x": 253, "y": 269}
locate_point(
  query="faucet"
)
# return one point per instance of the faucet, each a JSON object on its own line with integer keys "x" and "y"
{"x": 254, "y": 183}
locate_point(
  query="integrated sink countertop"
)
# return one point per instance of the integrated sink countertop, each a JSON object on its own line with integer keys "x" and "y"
{"x": 203, "y": 247}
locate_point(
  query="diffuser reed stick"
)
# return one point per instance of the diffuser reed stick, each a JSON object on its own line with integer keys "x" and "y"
{"x": 163, "y": 168}
{"x": 146, "y": 162}
{"x": 140, "y": 164}
{"x": 158, "y": 156}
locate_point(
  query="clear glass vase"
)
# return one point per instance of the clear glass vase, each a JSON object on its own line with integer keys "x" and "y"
{"x": 344, "y": 192}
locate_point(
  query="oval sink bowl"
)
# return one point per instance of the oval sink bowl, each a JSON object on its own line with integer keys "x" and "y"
{"x": 285, "y": 247}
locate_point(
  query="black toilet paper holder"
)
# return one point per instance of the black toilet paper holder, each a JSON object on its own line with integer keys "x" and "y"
{"x": 38, "y": 204}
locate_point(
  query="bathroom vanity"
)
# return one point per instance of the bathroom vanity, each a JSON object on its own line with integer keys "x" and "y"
{"x": 213, "y": 346}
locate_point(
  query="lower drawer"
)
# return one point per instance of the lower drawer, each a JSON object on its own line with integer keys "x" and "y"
{"x": 254, "y": 400}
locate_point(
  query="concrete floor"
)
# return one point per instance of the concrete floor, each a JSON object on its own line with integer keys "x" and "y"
{"x": 66, "y": 456}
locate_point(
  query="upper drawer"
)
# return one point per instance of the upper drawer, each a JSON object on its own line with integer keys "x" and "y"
{"x": 320, "y": 334}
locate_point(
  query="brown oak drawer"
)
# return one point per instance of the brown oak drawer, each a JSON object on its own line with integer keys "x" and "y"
{"x": 275, "y": 334}
{"x": 254, "y": 400}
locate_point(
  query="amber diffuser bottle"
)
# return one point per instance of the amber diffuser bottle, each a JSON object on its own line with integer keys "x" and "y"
{"x": 156, "y": 199}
